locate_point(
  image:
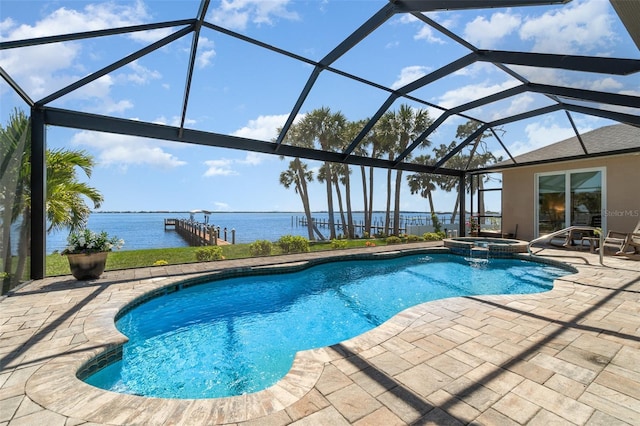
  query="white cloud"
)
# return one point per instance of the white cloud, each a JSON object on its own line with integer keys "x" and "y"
{"x": 237, "y": 14}
{"x": 220, "y": 167}
{"x": 124, "y": 151}
{"x": 541, "y": 134}
{"x": 607, "y": 84}
{"x": 518, "y": 105}
{"x": 206, "y": 52}
{"x": 42, "y": 70}
{"x": 151, "y": 36}
{"x": 254, "y": 158}
{"x": 557, "y": 77}
{"x": 224, "y": 166}
{"x": 174, "y": 121}
{"x": 464, "y": 94}
{"x": 65, "y": 21}
{"x": 205, "y": 57}
{"x": 572, "y": 29}
{"x": 264, "y": 128}
{"x": 139, "y": 74}
{"x": 476, "y": 69}
{"x": 427, "y": 33}
{"x": 487, "y": 33}
{"x": 392, "y": 44}
{"x": 409, "y": 75}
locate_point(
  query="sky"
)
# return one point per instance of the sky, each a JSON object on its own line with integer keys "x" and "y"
{"x": 241, "y": 90}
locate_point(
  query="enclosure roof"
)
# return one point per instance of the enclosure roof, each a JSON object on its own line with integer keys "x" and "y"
{"x": 577, "y": 84}
{"x": 608, "y": 140}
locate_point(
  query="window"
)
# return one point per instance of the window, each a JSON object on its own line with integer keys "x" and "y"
{"x": 566, "y": 198}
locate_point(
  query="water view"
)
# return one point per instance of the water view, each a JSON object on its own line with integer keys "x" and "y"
{"x": 146, "y": 230}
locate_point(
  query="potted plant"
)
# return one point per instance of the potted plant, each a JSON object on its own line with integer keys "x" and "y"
{"x": 474, "y": 227}
{"x": 87, "y": 252}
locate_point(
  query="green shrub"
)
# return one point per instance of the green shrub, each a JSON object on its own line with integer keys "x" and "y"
{"x": 260, "y": 248}
{"x": 338, "y": 244}
{"x": 437, "y": 226}
{"x": 393, "y": 240}
{"x": 205, "y": 254}
{"x": 293, "y": 244}
{"x": 413, "y": 238}
{"x": 433, "y": 236}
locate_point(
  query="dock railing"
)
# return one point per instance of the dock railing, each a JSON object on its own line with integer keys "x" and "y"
{"x": 200, "y": 234}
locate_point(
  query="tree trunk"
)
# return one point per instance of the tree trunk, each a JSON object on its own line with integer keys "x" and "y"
{"x": 23, "y": 247}
{"x": 455, "y": 207}
{"x": 6, "y": 241}
{"x": 396, "y": 208}
{"x": 387, "y": 215}
{"x": 367, "y": 221}
{"x": 329, "y": 180}
{"x": 481, "y": 208}
{"x": 304, "y": 196}
{"x": 430, "y": 197}
{"x": 347, "y": 195}
{"x": 370, "y": 218}
{"x": 340, "y": 206}
{"x": 6, "y": 281}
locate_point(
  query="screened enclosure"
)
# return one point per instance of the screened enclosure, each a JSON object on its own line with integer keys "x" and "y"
{"x": 339, "y": 63}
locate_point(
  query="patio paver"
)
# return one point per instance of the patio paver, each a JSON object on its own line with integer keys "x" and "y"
{"x": 567, "y": 356}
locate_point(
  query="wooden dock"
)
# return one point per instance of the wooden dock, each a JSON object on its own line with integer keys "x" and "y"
{"x": 198, "y": 234}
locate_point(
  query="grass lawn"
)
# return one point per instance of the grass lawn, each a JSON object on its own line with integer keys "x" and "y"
{"x": 58, "y": 264}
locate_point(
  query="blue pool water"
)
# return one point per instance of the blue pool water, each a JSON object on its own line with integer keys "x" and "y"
{"x": 240, "y": 335}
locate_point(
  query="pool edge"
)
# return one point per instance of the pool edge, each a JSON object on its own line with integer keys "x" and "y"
{"x": 61, "y": 371}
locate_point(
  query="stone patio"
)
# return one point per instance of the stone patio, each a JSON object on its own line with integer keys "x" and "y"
{"x": 568, "y": 356}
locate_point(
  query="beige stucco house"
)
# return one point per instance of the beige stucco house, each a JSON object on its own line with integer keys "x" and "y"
{"x": 599, "y": 190}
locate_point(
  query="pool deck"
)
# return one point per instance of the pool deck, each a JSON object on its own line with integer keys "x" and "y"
{"x": 568, "y": 356}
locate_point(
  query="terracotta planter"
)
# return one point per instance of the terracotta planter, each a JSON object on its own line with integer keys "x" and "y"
{"x": 87, "y": 266}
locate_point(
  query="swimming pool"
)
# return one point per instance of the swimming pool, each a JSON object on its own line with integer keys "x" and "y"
{"x": 240, "y": 335}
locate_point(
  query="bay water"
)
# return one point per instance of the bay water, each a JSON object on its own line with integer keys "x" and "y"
{"x": 145, "y": 230}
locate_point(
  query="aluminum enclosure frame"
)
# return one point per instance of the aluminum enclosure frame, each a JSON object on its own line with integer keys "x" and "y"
{"x": 608, "y": 105}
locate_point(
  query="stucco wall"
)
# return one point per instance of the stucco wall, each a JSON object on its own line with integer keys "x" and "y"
{"x": 622, "y": 210}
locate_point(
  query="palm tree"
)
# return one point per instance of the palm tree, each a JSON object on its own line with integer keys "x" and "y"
{"x": 66, "y": 208}
{"x": 351, "y": 130}
{"x": 400, "y": 128}
{"x": 342, "y": 175}
{"x": 14, "y": 147}
{"x": 477, "y": 157}
{"x": 362, "y": 151}
{"x": 65, "y": 204}
{"x": 298, "y": 176}
{"x": 336, "y": 176}
{"x": 326, "y": 128}
{"x": 423, "y": 183}
{"x": 384, "y": 140}
{"x": 378, "y": 142}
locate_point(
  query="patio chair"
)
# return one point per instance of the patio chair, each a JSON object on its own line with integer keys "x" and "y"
{"x": 583, "y": 231}
{"x": 624, "y": 243}
{"x": 631, "y": 247}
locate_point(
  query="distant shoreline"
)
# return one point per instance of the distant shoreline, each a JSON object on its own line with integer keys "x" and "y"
{"x": 260, "y": 212}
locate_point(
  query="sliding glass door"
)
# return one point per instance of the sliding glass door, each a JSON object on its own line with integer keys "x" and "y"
{"x": 569, "y": 198}
{"x": 551, "y": 203}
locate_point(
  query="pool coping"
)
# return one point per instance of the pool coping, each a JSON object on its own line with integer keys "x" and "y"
{"x": 76, "y": 399}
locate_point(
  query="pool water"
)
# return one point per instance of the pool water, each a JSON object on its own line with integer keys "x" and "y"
{"x": 240, "y": 335}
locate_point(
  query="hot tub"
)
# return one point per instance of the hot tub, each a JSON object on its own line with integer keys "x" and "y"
{"x": 495, "y": 247}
